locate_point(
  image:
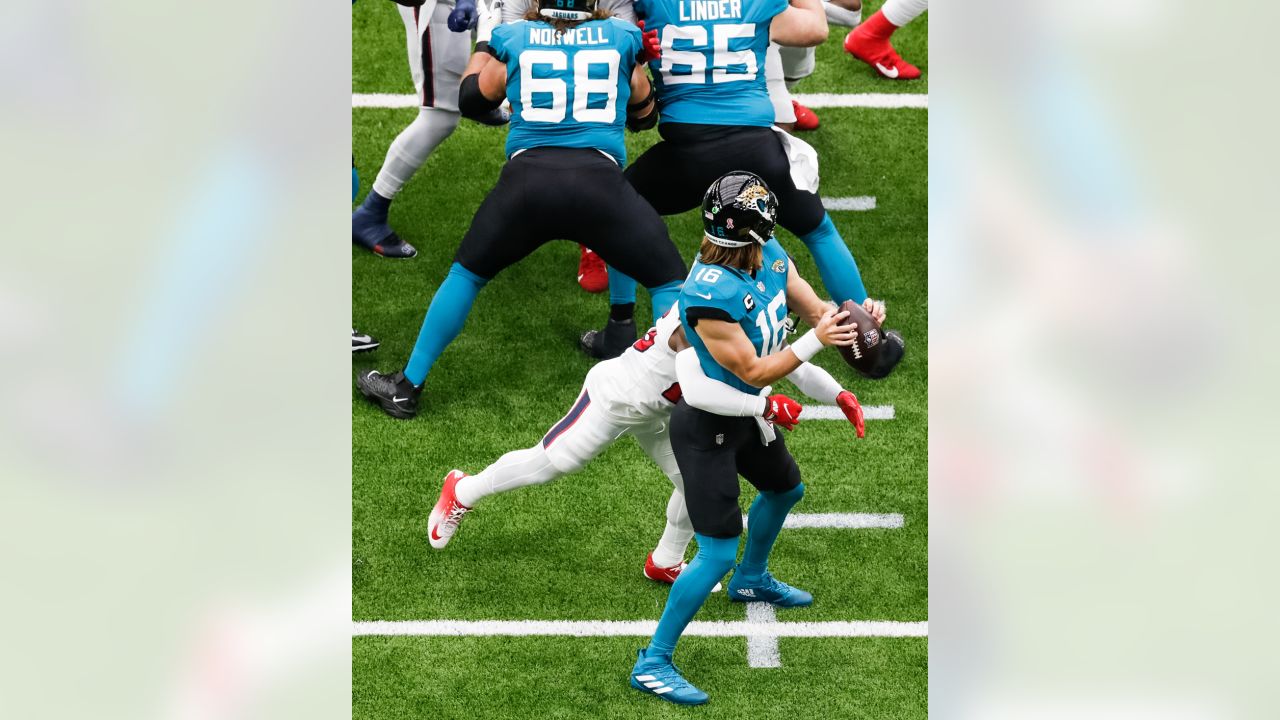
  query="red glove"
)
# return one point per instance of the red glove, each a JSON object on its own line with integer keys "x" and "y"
{"x": 848, "y": 403}
{"x": 650, "y": 45}
{"x": 782, "y": 410}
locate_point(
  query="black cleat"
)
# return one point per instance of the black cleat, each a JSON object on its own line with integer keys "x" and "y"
{"x": 891, "y": 352}
{"x": 496, "y": 117}
{"x": 361, "y": 342}
{"x": 611, "y": 342}
{"x": 393, "y": 393}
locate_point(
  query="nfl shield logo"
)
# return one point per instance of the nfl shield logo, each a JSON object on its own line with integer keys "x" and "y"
{"x": 720, "y": 439}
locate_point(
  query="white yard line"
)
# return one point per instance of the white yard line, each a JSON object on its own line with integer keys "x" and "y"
{"x": 861, "y": 203}
{"x": 762, "y": 650}
{"x": 818, "y": 101}
{"x": 841, "y": 521}
{"x": 833, "y": 412}
{"x": 638, "y": 628}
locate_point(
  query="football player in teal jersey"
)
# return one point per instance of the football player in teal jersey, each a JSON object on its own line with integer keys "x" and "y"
{"x": 716, "y": 117}
{"x": 733, "y": 307}
{"x": 575, "y": 78}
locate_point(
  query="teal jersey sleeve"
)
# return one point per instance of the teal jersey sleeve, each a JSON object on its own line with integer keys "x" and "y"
{"x": 500, "y": 44}
{"x": 768, "y": 10}
{"x": 716, "y": 288}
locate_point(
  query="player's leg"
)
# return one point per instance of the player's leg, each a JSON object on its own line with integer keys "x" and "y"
{"x": 704, "y": 446}
{"x": 496, "y": 240}
{"x": 635, "y": 241}
{"x": 667, "y": 559}
{"x": 436, "y": 59}
{"x": 657, "y": 177}
{"x": 843, "y": 12}
{"x": 772, "y": 470}
{"x": 869, "y": 42}
{"x": 784, "y": 106}
{"x": 801, "y": 213}
{"x": 582, "y": 434}
{"x": 498, "y": 237}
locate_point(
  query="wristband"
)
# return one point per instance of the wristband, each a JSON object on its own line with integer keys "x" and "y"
{"x": 807, "y": 346}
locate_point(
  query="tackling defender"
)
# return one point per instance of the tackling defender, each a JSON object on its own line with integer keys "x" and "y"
{"x": 733, "y": 308}
{"x": 570, "y": 72}
{"x": 633, "y": 394}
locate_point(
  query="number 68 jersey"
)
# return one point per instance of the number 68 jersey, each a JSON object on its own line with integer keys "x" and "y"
{"x": 757, "y": 302}
{"x": 712, "y": 67}
{"x": 568, "y": 89}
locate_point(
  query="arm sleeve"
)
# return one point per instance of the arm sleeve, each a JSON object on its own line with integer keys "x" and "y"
{"x": 815, "y": 382}
{"x": 710, "y": 395}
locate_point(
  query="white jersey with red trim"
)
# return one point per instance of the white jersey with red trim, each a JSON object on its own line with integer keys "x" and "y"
{"x": 641, "y": 382}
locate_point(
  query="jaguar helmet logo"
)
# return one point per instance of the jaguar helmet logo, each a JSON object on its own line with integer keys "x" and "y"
{"x": 779, "y": 266}
{"x": 757, "y": 197}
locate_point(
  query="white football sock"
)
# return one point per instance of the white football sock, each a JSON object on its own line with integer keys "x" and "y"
{"x": 675, "y": 538}
{"x": 901, "y": 12}
{"x": 837, "y": 15}
{"x": 517, "y": 468}
{"x": 412, "y": 147}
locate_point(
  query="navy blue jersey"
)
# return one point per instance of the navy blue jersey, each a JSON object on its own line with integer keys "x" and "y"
{"x": 570, "y": 89}
{"x": 756, "y": 302}
{"x": 712, "y": 66}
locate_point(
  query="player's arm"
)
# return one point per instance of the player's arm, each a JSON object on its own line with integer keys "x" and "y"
{"x": 818, "y": 384}
{"x": 732, "y": 349}
{"x": 802, "y": 24}
{"x": 802, "y": 299}
{"x": 484, "y": 81}
{"x": 642, "y": 112}
{"x": 718, "y": 398}
{"x": 711, "y": 395}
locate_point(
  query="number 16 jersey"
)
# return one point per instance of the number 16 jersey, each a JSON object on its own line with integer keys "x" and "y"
{"x": 568, "y": 89}
{"x": 712, "y": 67}
{"x": 756, "y": 302}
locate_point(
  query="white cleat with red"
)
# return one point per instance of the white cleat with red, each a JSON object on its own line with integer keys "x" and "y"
{"x": 447, "y": 513}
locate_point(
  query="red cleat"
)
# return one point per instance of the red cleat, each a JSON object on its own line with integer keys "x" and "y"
{"x": 593, "y": 276}
{"x": 806, "y": 119}
{"x": 666, "y": 575}
{"x": 874, "y": 49}
{"x": 447, "y": 513}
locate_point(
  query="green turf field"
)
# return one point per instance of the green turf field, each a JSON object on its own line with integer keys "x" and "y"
{"x": 573, "y": 550}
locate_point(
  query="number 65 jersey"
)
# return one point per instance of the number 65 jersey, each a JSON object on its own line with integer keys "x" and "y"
{"x": 712, "y": 67}
{"x": 756, "y": 302}
{"x": 568, "y": 89}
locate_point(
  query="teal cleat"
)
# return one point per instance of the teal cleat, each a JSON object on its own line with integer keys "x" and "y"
{"x": 767, "y": 589}
{"x": 658, "y": 676}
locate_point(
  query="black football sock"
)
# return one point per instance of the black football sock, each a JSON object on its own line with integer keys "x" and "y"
{"x": 622, "y": 312}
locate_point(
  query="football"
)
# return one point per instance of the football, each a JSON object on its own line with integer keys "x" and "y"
{"x": 864, "y": 354}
